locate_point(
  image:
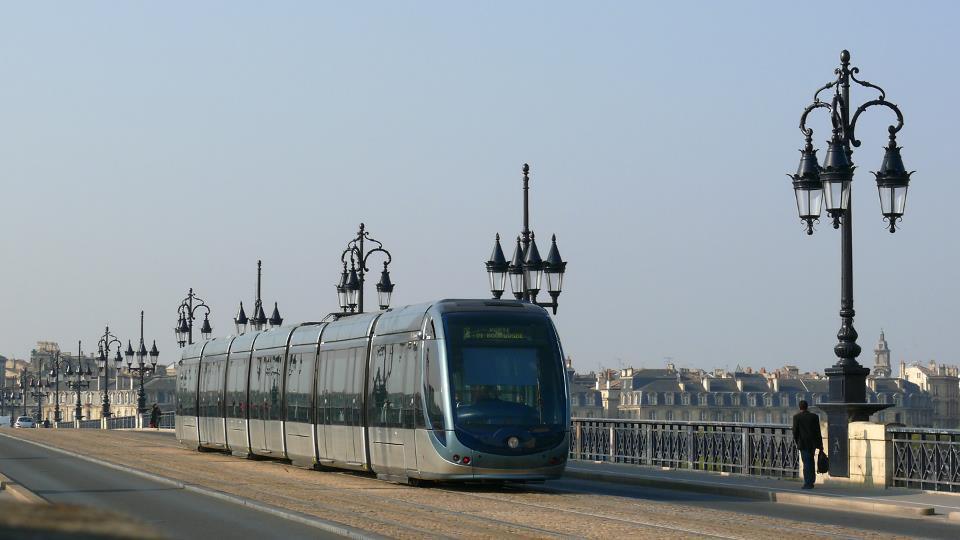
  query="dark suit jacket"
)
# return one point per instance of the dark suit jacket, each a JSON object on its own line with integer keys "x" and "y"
{"x": 806, "y": 431}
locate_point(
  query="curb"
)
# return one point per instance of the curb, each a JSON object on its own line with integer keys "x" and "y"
{"x": 19, "y": 492}
{"x": 763, "y": 494}
{"x": 340, "y": 529}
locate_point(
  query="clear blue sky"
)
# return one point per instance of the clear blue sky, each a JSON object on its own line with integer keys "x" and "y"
{"x": 149, "y": 147}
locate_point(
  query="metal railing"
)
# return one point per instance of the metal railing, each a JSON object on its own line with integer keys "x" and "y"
{"x": 121, "y": 422}
{"x": 926, "y": 458}
{"x": 755, "y": 449}
{"x": 90, "y": 424}
{"x": 167, "y": 420}
{"x": 66, "y": 425}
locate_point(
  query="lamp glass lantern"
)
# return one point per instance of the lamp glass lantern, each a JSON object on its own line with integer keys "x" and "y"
{"x": 554, "y": 268}
{"x": 353, "y": 289}
{"x": 836, "y": 177}
{"x": 206, "y": 330}
{"x": 533, "y": 266}
{"x": 129, "y": 353}
{"x": 154, "y": 354}
{"x": 892, "y": 182}
{"x": 241, "y": 320}
{"x": 497, "y": 269}
{"x": 384, "y": 288}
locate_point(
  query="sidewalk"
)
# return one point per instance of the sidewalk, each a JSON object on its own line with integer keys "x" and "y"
{"x": 891, "y": 501}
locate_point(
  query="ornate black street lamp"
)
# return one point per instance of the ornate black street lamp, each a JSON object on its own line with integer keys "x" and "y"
{"x": 527, "y": 270}
{"x": 24, "y": 386}
{"x": 259, "y": 320}
{"x": 142, "y": 366}
{"x": 54, "y": 374}
{"x": 38, "y": 391}
{"x": 81, "y": 381}
{"x": 812, "y": 184}
{"x": 9, "y": 397}
{"x": 103, "y": 359}
{"x": 186, "y": 314}
{"x": 350, "y": 287}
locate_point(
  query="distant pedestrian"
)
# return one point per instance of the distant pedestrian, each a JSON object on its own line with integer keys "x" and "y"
{"x": 806, "y": 433}
{"x": 155, "y": 417}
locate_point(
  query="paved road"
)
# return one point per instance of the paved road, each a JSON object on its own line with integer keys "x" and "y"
{"x": 171, "y": 510}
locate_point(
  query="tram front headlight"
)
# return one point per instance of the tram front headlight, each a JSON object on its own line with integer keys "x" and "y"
{"x": 513, "y": 442}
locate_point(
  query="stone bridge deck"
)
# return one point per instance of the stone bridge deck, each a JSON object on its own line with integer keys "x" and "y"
{"x": 566, "y": 508}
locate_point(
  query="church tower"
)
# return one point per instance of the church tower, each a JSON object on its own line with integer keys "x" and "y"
{"x": 881, "y": 358}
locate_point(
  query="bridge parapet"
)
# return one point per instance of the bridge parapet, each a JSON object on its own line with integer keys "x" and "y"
{"x": 879, "y": 456}
{"x": 753, "y": 449}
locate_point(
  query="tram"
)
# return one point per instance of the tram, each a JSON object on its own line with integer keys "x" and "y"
{"x": 453, "y": 390}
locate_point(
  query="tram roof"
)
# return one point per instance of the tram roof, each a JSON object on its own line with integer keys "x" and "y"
{"x": 307, "y": 334}
{"x": 274, "y": 337}
{"x": 218, "y": 345}
{"x": 403, "y": 319}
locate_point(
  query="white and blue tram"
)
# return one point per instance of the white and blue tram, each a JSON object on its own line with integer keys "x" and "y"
{"x": 449, "y": 390}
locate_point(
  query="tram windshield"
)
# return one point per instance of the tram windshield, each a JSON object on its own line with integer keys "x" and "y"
{"x": 505, "y": 370}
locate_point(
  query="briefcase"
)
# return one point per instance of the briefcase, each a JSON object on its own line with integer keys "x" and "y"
{"x": 823, "y": 463}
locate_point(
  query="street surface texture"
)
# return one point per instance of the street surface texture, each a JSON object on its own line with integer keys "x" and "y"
{"x": 56, "y": 521}
{"x": 173, "y": 512}
{"x": 565, "y": 508}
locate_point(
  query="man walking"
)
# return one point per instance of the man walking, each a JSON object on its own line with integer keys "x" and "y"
{"x": 806, "y": 433}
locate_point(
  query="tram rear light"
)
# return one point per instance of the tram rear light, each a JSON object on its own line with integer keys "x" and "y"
{"x": 466, "y": 460}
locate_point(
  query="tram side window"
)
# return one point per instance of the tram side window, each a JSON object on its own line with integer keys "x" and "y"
{"x": 187, "y": 399}
{"x": 357, "y": 367}
{"x": 299, "y": 380}
{"x": 236, "y": 383}
{"x": 409, "y": 366}
{"x": 433, "y": 385}
{"x": 337, "y": 385}
{"x": 323, "y": 387}
{"x": 262, "y": 375}
{"x": 275, "y": 397}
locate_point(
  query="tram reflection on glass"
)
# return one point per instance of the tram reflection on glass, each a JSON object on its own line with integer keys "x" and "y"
{"x": 450, "y": 390}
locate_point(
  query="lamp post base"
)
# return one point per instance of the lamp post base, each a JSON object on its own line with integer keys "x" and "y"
{"x": 839, "y": 416}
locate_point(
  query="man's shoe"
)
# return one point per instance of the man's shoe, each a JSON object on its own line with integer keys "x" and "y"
{"x": 806, "y": 487}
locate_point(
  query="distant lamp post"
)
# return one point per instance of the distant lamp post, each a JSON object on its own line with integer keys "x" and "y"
{"x": 38, "y": 392}
{"x": 104, "y": 346}
{"x": 9, "y": 400}
{"x": 527, "y": 269}
{"x": 186, "y": 314}
{"x": 140, "y": 365}
{"x": 829, "y": 185}
{"x": 259, "y": 321}
{"x": 54, "y": 374}
{"x": 80, "y": 382}
{"x": 350, "y": 286}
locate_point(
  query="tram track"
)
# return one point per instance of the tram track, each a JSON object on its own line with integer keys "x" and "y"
{"x": 647, "y": 506}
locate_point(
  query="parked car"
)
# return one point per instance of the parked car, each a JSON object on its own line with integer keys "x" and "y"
{"x": 24, "y": 422}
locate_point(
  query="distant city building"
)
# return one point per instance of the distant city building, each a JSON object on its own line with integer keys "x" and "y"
{"x": 942, "y": 383}
{"x": 922, "y": 396}
{"x": 881, "y": 358}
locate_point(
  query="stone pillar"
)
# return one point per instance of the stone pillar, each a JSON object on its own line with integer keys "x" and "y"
{"x": 870, "y": 456}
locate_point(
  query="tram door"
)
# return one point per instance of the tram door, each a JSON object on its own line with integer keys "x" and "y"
{"x": 338, "y": 393}
{"x": 391, "y": 407}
